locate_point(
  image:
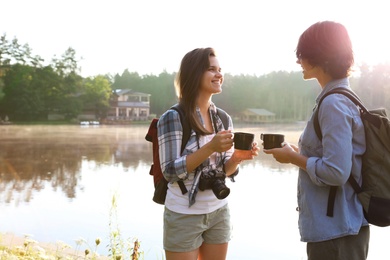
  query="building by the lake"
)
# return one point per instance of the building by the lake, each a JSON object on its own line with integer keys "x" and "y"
{"x": 257, "y": 115}
{"x": 129, "y": 105}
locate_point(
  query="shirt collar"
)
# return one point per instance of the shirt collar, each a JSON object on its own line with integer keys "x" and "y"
{"x": 212, "y": 106}
{"x": 337, "y": 83}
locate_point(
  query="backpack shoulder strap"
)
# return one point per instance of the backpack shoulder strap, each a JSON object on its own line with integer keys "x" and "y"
{"x": 185, "y": 124}
{"x": 186, "y": 136}
{"x": 355, "y": 99}
{"x": 187, "y": 132}
{"x": 346, "y": 92}
{"x": 223, "y": 116}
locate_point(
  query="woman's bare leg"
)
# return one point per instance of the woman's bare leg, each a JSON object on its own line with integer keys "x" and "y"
{"x": 192, "y": 255}
{"x": 213, "y": 251}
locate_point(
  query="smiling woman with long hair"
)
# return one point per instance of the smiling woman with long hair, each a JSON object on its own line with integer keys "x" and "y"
{"x": 197, "y": 223}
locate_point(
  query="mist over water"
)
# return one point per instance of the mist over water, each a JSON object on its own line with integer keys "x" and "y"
{"x": 57, "y": 184}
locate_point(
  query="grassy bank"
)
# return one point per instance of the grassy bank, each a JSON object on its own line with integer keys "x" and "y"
{"x": 26, "y": 248}
{"x": 14, "y": 247}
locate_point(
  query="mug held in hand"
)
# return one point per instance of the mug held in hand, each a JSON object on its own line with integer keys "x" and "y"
{"x": 243, "y": 141}
{"x": 271, "y": 141}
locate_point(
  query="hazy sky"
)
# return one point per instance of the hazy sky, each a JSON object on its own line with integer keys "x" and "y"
{"x": 150, "y": 36}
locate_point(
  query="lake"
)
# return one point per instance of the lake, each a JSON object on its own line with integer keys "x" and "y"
{"x": 58, "y": 182}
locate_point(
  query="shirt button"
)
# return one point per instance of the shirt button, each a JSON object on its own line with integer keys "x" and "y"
{"x": 297, "y": 209}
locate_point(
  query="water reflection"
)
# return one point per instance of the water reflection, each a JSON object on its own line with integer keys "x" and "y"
{"x": 56, "y": 183}
{"x": 32, "y": 157}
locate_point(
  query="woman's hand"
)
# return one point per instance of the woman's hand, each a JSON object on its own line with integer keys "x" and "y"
{"x": 222, "y": 141}
{"x": 241, "y": 155}
{"x": 284, "y": 154}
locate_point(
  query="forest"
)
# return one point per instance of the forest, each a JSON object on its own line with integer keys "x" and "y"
{"x": 31, "y": 90}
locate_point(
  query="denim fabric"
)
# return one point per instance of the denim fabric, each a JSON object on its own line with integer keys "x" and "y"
{"x": 330, "y": 163}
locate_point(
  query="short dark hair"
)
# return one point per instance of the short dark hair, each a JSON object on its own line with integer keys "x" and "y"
{"x": 327, "y": 44}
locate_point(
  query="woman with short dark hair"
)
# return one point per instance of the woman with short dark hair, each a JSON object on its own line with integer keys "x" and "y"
{"x": 325, "y": 54}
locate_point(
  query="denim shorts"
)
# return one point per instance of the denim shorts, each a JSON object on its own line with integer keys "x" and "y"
{"x": 185, "y": 233}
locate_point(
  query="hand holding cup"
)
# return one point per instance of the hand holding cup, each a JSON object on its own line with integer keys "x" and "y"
{"x": 271, "y": 141}
{"x": 244, "y": 146}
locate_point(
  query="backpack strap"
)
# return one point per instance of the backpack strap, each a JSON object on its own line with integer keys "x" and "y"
{"x": 185, "y": 125}
{"x": 346, "y": 92}
{"x": 186, "y": 136}
{"x": 187, "y": 132}
{"x": 355, "y": 99}
{"x": 224, "y": 118}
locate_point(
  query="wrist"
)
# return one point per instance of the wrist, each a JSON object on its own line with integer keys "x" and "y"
{"x": 235, "y": 160}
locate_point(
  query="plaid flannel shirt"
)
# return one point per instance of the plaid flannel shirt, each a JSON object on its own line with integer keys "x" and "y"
{"x": 173, "y": 164}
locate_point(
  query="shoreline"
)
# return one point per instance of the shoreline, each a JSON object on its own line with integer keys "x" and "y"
{"x": 12, "y": 242}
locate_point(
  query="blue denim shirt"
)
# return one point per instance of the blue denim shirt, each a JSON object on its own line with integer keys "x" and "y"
{"x": 330, "y": 162}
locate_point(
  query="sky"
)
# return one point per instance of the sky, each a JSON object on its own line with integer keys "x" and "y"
{"x": 252, "y": 37}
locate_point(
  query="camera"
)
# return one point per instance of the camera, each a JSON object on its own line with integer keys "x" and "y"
{"x": 214, "y": 180}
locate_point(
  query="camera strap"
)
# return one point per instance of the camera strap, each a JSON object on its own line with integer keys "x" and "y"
{"x": 215, "y": 120}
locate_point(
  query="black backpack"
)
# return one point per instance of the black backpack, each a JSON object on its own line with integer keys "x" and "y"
{"x": 160, "y": 183}
{"x": 374, "y": 194}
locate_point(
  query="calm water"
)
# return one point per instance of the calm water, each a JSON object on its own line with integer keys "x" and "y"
{"x": 57, "y": 184}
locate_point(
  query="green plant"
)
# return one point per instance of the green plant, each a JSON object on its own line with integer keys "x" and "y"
{"x": 117, "y": 245}
{"x": 118, "y": 248}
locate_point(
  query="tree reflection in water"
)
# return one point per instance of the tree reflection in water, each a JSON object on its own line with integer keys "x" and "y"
{"x": 32, "y": 157}
{"x": 99, "y": 160}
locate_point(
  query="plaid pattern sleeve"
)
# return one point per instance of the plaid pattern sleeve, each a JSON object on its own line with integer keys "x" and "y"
{"x": 228, "y": 154}
{"x": 170, "y": 133}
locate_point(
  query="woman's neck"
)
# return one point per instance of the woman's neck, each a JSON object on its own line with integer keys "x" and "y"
{"x": 323, "y": 79}
{"x": 203, "y": 104}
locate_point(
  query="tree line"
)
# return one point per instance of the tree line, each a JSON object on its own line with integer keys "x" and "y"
{"x": 30, "y": 90}
{"x": 284, "y": 93}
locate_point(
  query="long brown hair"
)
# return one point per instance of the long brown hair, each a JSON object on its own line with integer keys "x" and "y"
{"x": 187, "y": 83}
